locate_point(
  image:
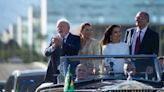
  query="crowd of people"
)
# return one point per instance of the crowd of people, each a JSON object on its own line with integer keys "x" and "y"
{"x": 137, "y": 40}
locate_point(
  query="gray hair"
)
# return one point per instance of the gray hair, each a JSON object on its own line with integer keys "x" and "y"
{"x": 62, "y": 20}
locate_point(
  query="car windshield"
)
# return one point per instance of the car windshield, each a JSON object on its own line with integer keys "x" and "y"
{"x": 128, "y": 67}
{"x": 28, "y": 83}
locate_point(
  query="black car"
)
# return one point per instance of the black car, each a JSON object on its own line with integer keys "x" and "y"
{"x": 25, "y": 81}
{"x": 144, "y": 76}
{"x": 2, "y": 85}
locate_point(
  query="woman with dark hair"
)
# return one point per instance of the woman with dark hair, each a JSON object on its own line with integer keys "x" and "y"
{"x": 112, "y": 45}
{"x": 89, "y": 46}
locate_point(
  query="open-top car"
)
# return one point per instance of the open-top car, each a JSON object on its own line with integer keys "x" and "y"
{"x": 122, "y": 73}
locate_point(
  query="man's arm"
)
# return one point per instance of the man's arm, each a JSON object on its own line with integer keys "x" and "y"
{"x": 55, "y": 43}
{"x": 49, "y": 50}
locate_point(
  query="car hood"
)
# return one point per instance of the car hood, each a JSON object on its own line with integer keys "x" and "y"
{"x": 129, "y": 84}
{"x": 102, "y": 86}
{"x": 114, "y": 85}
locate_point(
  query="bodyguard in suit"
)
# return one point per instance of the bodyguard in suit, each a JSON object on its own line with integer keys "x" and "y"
{"x": 142, "y": 40}
{"x": 149, "y": 39}
{"x": 63, "y": 44}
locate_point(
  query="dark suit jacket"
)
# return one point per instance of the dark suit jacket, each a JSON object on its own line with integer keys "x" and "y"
{"x": 149, "y": 44}
{"x": 71, "y": 47}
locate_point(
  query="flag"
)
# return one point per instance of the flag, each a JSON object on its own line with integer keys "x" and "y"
{"x": 71, "y": 87}
{"x": 68, "y": 83}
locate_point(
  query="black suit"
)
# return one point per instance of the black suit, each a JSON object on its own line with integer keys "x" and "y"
{"x": 149, "y": 44}
{"x": 70, "y": 47}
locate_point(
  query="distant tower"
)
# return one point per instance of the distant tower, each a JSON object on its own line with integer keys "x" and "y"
{"x": 19, "y": 31}
{"x": 30, "y": 26}
{"x": 11, "y": 31}
{"x": 6, "y": 36}
{"x": 43, "y": 24}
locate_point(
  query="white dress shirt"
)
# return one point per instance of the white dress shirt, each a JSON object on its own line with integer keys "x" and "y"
{"x": 142, "y": 33}
{"x": 65, "y": 37}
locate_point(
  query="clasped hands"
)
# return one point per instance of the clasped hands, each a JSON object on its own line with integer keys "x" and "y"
{"x": 57, "y": 41}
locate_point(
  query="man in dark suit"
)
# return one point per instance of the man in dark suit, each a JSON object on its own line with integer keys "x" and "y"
{"x": 142, "y": 40}
{"x": 63, "y": 44}
{"x": 148, "y": 41}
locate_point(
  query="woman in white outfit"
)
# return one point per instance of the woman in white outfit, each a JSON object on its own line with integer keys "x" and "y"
{"x": 112, "y": 45}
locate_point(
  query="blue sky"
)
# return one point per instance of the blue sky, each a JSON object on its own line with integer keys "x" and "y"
{"x": 11, "y": 9}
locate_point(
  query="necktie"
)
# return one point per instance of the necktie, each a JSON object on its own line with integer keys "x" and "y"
{"x": 63, "y": 49}
{"x": 64, "y": 40}
{"x": 137, "y": 42}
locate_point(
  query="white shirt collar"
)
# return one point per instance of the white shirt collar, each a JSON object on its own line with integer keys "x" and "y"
{"x": 143, "y": 30}
{"x": 66, "y": 36}
{"x": 141, "y": 36}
